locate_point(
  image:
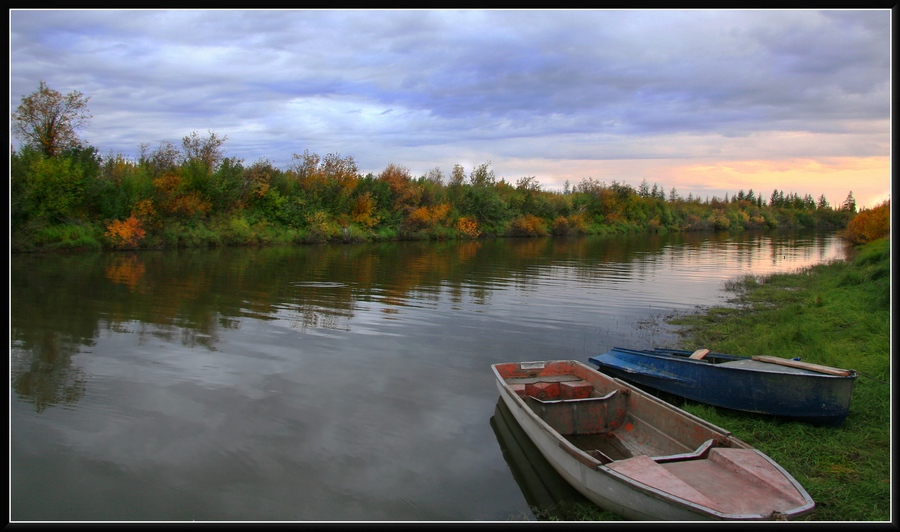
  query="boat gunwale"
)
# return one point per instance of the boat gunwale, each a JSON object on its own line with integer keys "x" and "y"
{"x": 764, "y": 367}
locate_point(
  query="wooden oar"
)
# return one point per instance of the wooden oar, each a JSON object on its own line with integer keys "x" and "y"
{"x": 698, "y": 354}
{"x": 804, "y": 365}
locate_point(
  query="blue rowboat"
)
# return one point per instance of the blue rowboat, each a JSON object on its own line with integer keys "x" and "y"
{"x": 762, "y": 384}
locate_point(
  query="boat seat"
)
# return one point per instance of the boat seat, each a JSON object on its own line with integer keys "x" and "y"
{"x": 645, "y": 470}
{"x": 576, "y": 399}
{"x": 700, "y": 452}
{"x": 589, "y": 415}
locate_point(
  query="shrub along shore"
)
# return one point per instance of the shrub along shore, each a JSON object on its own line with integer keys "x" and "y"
{"x": 77, "y": 200}
{"x": 835, "y": 314}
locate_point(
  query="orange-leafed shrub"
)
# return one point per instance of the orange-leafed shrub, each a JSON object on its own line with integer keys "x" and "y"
{"x": 418, "y": 219}
{"x": 425, "y": 217}
{"x": 528, "y": 225}
{"x": 468, "y": 227}
{"x": 561, "y": 226}
{"x": 127, "y": 233}
{"x": 870, "y": 224}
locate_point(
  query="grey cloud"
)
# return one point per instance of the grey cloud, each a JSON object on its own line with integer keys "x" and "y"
{"x": 369, "y": 79}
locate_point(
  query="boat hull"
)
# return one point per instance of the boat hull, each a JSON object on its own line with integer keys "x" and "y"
{"x": 613, "y": 487}
{"x": 737, "y": 383}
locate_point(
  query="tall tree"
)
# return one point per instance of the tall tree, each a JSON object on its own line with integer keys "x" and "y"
{"x": 457, "y": 176}
{"x": 46, "y": 120}
{"x": 849, "y": 203}
{"x": 673, "y": 195}
{"x": 644, "y": 190}
{"x": 207, "y": 151}
{"x": 482, "y": 175}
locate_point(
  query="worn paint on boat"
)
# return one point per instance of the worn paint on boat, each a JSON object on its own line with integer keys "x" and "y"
{"x": 638, "y": 456}
{"x": 765, "y": 385}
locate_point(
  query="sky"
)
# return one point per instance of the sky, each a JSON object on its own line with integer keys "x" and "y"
{"x": 708, "y": 102}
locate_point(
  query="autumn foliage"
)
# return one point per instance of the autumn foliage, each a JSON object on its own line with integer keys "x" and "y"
{"x": 125, "y": 233}
{"x": 468, "y": 227}
{"x": 870, "y": 224}
{"x": 529, "y": 225}
{"x": 364, "y": 210}
{"x": 174, "y": 201}
{"x": 427, "y": 217}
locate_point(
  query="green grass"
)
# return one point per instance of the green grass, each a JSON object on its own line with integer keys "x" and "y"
{"x": 836, "y": 314}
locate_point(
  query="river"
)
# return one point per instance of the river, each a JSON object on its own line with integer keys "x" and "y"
{"x": 323, "y": 382}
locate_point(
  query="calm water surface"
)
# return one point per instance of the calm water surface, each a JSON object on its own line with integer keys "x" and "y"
{"x": 323, "y": 383}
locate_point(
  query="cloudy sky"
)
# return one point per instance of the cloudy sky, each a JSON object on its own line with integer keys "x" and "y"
{"x": 707, "y": 102}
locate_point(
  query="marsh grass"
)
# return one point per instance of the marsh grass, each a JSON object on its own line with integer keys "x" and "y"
{"x": 836, "y": 314}
{"x": 72, "y": 237}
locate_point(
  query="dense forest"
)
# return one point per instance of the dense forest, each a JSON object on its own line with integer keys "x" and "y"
{"x": 65, "y": 196}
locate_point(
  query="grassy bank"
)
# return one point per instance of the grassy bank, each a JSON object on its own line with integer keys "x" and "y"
{"x": 837, "y": 314}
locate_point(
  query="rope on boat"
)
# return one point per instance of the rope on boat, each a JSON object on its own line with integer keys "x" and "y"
{"x": 871, "y": 377}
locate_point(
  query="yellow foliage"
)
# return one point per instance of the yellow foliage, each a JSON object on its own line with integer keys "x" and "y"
{"x": 578, "y": 223}
{"x": 143, "y": 210}
{"x": 439, "y": 212}
{"x": 321, "y": 226}
{"x": 189, "y": 205}
{"x": 574, "y": 224}
{"x": 167, "y": 183}
{"x": 363, "y": 210}
{"x": 468, "y": 227}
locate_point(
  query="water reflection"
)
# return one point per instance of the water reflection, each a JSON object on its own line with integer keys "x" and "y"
{"x": 44, "y": 373}
{"x": 61, "y": 304}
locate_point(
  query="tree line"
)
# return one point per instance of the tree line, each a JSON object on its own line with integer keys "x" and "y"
{"x": 65, "y": 195}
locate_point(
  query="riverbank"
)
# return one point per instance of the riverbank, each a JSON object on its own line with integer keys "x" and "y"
{"x": 836, "y": 314}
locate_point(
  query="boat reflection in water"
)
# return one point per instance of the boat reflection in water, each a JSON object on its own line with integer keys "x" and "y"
{"x": 548, "y": 495}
